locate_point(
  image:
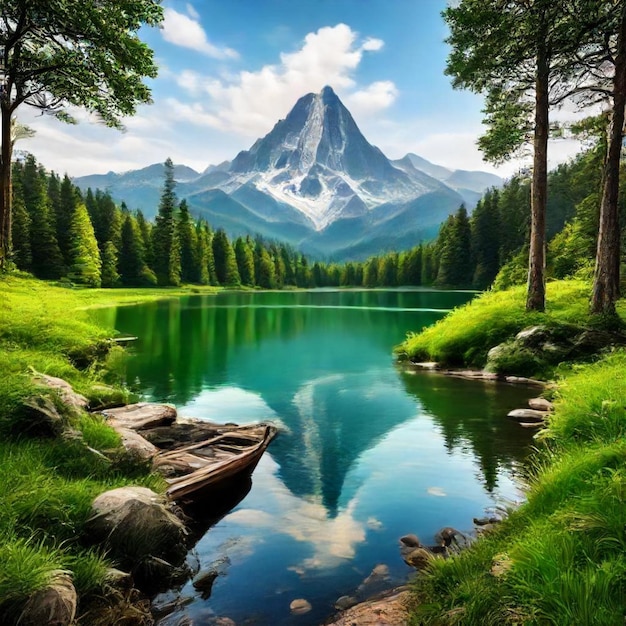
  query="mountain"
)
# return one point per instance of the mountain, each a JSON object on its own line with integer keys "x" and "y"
{"x": 469, "y": 184}
{"x": 313, "y": 181}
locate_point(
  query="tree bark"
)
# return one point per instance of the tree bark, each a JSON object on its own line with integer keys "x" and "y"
{"x": 536, "y": 296}
{"x": 6, "y": 150}
{"x": 605, "y": 290}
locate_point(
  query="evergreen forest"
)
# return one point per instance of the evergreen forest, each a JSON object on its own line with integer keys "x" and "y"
{"x": 60, "y": 233}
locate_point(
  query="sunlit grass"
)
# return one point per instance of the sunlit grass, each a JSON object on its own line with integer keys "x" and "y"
{"x": 465, "y": 335}
{"x": 47, "y": 485}
{"x": 565, "y": 548}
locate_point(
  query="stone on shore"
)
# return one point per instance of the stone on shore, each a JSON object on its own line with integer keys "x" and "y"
{"x": 137, "y": 525}
{"x": 66, "y": 393}
{"x": 528, "y": 415}
{"x": 55, "y": 604}
{"x": 136, "y": 445}
{"x": 540, "y": 404}
{"x": 143, "y": 415}
{"x": 389, "y": 609}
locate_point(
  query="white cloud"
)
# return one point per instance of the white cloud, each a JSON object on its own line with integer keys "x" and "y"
{"x": 186, "y": 31}
{"x": 375, "y": 97}
{"x": 372, "y": 44}
{"x": 249, "y": 103}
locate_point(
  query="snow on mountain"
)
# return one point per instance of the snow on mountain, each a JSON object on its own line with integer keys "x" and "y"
{"x": 315, "y": 181}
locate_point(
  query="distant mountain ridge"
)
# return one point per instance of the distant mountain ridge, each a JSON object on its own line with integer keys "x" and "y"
{"x": 316, "y": 182}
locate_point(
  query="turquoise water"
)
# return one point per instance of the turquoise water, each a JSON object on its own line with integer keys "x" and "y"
{"x": 367, "y": 452}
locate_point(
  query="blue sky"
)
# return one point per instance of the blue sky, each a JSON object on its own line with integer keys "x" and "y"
{"x": 229, "y": 69}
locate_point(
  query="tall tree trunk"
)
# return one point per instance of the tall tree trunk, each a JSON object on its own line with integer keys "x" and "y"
{"x": 6, "y": 150}
{"x": 605, "y": 289}
{"x": 536, "y": 297}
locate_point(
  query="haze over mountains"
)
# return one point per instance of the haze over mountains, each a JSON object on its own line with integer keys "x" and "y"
{"x": 313, "y": 181}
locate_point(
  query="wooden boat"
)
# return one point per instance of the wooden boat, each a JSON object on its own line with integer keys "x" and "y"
{"x": 197, "y": 469}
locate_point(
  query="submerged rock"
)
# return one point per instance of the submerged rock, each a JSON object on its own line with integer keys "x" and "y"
{"x": 300, "y": 606}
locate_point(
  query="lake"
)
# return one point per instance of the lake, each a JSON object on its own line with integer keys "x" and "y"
{"x": 367, "y": 452}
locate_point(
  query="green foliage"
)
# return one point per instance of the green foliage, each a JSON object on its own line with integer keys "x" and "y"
{"x": 466, "y": 334}
{"x": 165, "y": 243}
{"x": 226, "y": 270}
{"x": 85, "y": 263}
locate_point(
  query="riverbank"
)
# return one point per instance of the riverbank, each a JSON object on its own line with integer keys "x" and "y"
{"x": 559, "y": 558}
{"x": 49, "y": 480}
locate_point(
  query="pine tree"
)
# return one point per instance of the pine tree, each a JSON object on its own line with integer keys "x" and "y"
{"x": 165, "y": 244}
{"x": 110, "y": 277}
{"x": 188, "y": 244}
{"x": 370, "y": 272}
{"x": 245, "y": 262}
{"x": 145, "y": 228}
{"x": 20, "y": 226}
{"x": 264, "y": 267}
{"x": 485, "y": 227}
{"x": 85, "y": 263}
{"x": 201, "y": 270}
{"x": 131, "y": 266}
{"x": 455, "y": 268}
{"x": 64, "y": 210}
{"x": 225, "y": 262}
{"x": 47, "y": 261}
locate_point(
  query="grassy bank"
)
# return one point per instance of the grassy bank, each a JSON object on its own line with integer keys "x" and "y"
{"x": 561, "y": 557}
{"x": 48, "y": 484}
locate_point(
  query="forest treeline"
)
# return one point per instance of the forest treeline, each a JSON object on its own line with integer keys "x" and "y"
{"x": 60, "y": 232}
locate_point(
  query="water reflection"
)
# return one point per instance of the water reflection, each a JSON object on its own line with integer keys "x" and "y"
{"x": 366, "y": 452}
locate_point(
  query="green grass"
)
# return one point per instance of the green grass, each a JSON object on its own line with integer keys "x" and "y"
{"x": 466, "y": 334}
{"x": 564, "y": 550}
{"x": 47, "y": 485}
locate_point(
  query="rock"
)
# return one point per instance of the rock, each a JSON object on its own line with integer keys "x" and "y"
{"x": 40, "y": 417}
{"x": 540, "y": 404}
{"x": 54, "y": 605}
{"x": 136, "y": 445}
{"x": 204, "y": 583}
{"x": 300, "y": 606}
{"x": 141, "y": 415}
{"x": 445, "y": 536}
{"x": 65, "y": 391}
{"x": 427, "y": 365}
{"x": 531, "y": 424}
{"x": 483, "y": 521}
{"x": 377, "y": 581}
{"x": 419, "y": 557}
{"x": 528, "y": 415}
{"x": 412, "y": 541}
{"x": 345, "y": 602}
{"x": 389, "y": 609}
{"x": 137, "y": 525}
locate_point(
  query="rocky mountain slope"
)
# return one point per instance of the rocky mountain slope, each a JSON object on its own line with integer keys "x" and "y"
{"x": 315, "y": 182}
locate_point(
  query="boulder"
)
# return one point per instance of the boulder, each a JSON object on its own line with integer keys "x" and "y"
{"x": 540, "y": 404}
{"x": 528, "y": 416}
{"x": 141, "y": 415}
{"x": 390, "y": 609}
{"x": 54, "y": 605}
{"x": 68, "y": 396}
{"x": 419, "y": 557}
{"x": 136, "y": 445}
{"x": 138, "y": 526}
{"x": 412, "y": 541}
{"x": 39, "y": 416}
{"x": 300, "y": 606}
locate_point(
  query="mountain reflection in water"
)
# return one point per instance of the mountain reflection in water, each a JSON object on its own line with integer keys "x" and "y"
{"x": 367, "y": 451}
